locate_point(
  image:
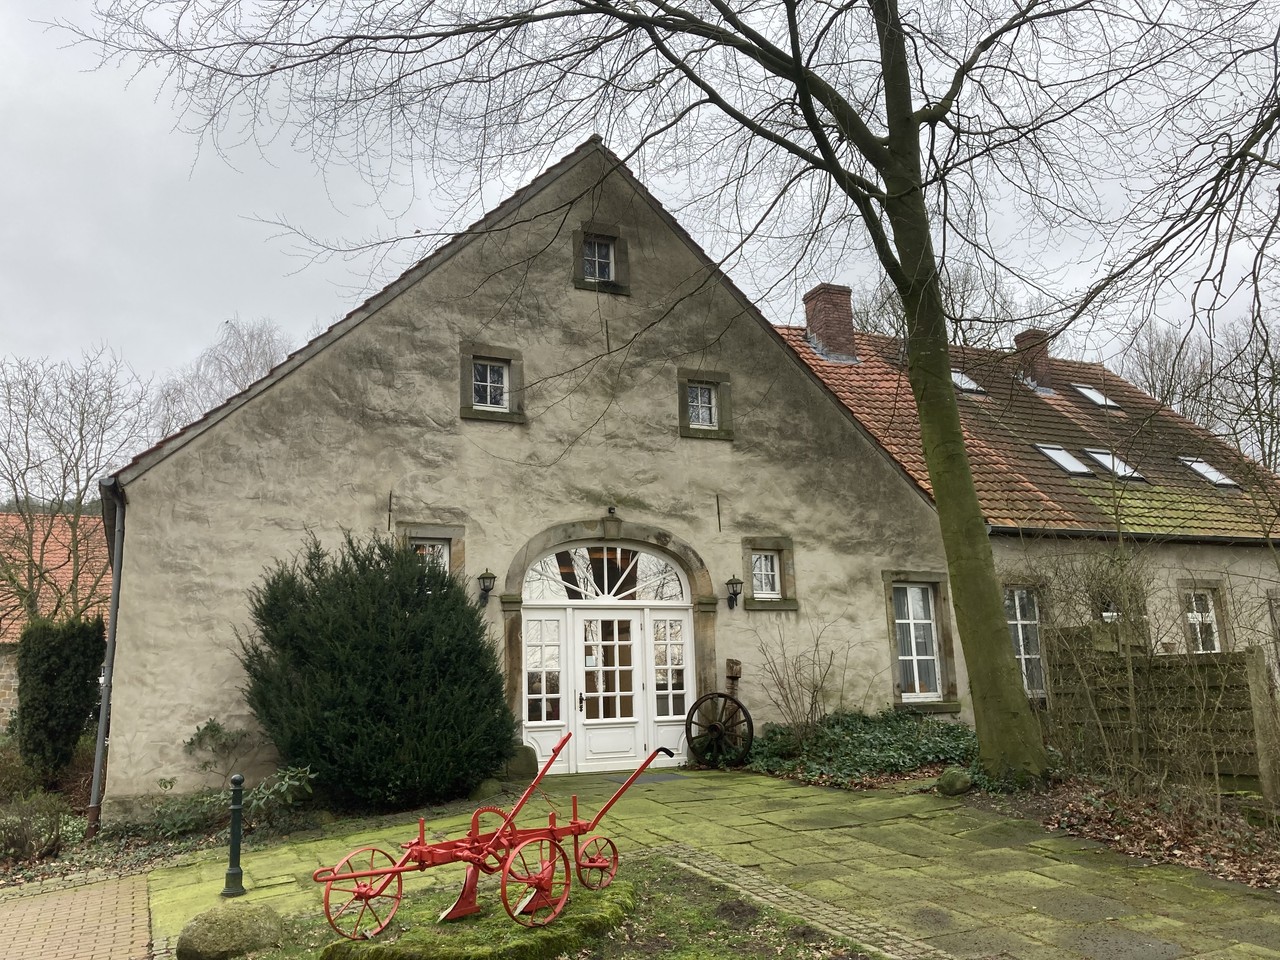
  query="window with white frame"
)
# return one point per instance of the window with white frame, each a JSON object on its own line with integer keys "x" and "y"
{"x": 1107, "y": 459}
{"x": 1209, "y": 472}
{"x": 1200, "y": 609}
{"x": 542, "y": 644}
{"x": 431, "y": 550}
{"x": 492, "y": 381}
{"x": 600, "y": 259}
{"x": 701, "y": 404}
{"x": 769, "y": 565}
{"x": 766, "y": 575}
{"x": 1022, "y": 613}
{"x": 965, "y": 383}
{"x": 490, "y": 384}
{"x": 1095, "y": 396}
{"x": 597, "y": 258}
{"x": 916, "y": 630}
{"x": 1064, "y": 458}
{"x": 669, "y": 667}
{"x": 705, "y": 404}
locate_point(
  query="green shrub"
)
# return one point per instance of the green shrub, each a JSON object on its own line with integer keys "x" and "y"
{"x": 16, "y": 778}
{"x": 58, "y": 691}
{"x": 223, "y": 749}
{"x": 31, "y": 827}
{"x": 848, "y": 747}
{"x": 373, "y": 669}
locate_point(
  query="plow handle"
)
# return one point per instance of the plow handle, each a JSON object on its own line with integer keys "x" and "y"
{"x": 630, "y": 780}
{"x": 524, "y": 797}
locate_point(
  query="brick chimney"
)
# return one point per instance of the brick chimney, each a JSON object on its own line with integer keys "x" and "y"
{"x": 828, "y": 319}
{"x": 1033, "y": 357}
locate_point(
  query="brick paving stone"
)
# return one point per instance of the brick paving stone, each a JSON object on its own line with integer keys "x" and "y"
{"x": 99, "y": 920}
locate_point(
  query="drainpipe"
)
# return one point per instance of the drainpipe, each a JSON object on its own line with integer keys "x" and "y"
{"x": 111, "y": 494}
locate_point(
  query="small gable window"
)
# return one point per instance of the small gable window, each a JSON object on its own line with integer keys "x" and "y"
{"x": 701, "y": 398}
{"x": 1095, "y": 395}
{"x": 489, "y": 384}
{"x": 1064, "y": 458}
{"x": 965, "y": 383}
{"x": 597, "y": 257}
{"x": 1209, "y": 472}
{"x": 1108, "y": 460}
{"x": 600, "y": 259}
{"x": 492, "y": 383}
{"x": 705, "y": 404}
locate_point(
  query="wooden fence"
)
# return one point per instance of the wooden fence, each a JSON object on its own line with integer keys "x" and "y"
{"x": 1112, "y": 705}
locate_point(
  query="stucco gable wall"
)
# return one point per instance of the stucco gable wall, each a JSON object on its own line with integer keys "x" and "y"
{"x": 376, "y": 412}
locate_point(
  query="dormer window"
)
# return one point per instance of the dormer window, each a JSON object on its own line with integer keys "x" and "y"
{"x": 1108, "y": 460}
{"x": 1209, "y": 472}
{"x": 1095, "y": 395}
{"x": 965, "y": 383}
{"x": 1064, "y": 458}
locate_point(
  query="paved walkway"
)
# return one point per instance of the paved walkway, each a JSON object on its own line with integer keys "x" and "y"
{"x": 912, "y": 876}
{"x": 102, "y": 920}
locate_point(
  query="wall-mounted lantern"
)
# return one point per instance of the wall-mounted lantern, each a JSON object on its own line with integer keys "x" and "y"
{"x": 734, "y": 586}
{"x": 487, "y": 581}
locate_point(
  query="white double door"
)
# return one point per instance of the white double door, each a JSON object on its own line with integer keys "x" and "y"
{"x": 620, "y": 679}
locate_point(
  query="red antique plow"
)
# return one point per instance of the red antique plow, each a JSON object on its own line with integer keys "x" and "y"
{"x": 362, "y": 893}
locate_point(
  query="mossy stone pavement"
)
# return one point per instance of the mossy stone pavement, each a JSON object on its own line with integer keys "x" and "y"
{"x": 904, "y": 873}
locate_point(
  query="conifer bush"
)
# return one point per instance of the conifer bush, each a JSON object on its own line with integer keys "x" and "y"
{"x": 374, "y": 669}
{"x": 58, "y": 690}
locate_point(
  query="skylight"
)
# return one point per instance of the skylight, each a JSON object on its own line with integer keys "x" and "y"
{"x": 966, "y": 383}
{"x": 1096, "y": 395}
{"x": 1113, "y": 463}
{"x": 1063, "y": 458}
{"x": 1209, "y": 472}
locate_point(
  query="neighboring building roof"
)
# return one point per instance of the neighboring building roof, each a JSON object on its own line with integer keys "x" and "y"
{"x": 1019, "y": 486}
{"x": 61, "y": 554}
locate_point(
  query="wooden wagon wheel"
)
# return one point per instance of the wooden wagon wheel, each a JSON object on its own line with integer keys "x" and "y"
{"x": 597, "y": 862}
{"x": 535, "y": 882}
{"x": 361, "y": 908}
{"x": 718, "y": 730}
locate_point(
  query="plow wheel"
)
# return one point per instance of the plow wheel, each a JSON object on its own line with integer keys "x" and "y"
{"x": 718, "y": 730}
{"x": 361, "y": 908}
{"x": 597, "y": 862}
{"x": 535, "y": 882}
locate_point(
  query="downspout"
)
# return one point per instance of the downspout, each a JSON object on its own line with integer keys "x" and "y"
{"x": 113, "y": 494}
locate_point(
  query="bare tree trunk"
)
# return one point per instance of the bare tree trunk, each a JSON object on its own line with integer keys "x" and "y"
{"x": 1010, "y": 743}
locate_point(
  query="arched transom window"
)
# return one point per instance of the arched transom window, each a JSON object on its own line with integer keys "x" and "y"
{"x": 603, "y": 573}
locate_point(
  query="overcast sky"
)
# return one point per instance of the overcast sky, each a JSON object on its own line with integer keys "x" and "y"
{"x": 115, "y": 227}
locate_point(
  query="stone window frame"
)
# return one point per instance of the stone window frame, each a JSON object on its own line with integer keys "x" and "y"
{"x": 452, "y": 534}
{"x": 785, "y": 550}
{"x": 949, "y": 698}
{"x": 722, "y": 382}
{"x": 620, "y": 285}
{"x": 470, "y": 352}
{"x": 1217, "y": 597}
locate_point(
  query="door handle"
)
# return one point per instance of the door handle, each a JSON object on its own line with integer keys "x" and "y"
{"x": 581, "y": 701}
